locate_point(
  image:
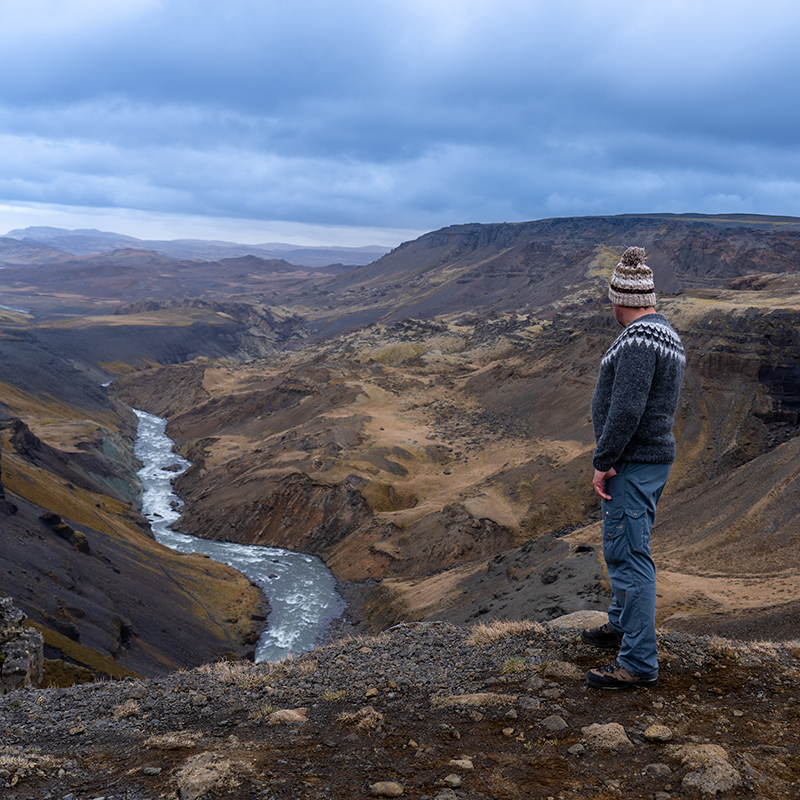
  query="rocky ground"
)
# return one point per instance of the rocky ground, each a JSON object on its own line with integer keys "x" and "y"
{"x": 426, "y": 710}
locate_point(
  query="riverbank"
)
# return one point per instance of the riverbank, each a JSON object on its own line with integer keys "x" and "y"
{"x": 353, "y": 621}
{"x": 300, "y": 593}
{"x": 442, "y": 711}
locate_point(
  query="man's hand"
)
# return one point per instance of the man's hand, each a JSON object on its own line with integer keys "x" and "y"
{"x": 599, "y": 482}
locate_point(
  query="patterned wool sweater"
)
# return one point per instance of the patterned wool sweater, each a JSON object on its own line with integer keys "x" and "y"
{"x": 634, "y": 402}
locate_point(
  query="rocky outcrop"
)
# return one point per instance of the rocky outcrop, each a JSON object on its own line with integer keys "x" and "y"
{"x": 294, "y": 512}
{"x": 21, "y": 650}
{"x": 103, "y": 463}
{"x": 543, "y": 578}
{"x": 264, "y": 329}
{"x": 168, "y": 391}
{"x": 6, "y": 506}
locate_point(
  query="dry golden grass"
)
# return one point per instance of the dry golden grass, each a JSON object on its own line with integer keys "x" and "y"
{"x": 448, "y": 343}
{"x": 14, "y": 760}
{"x": 130, "y": 708}
{"x": 513, "y": 666}
{"x": 724, "y": 647}
{"x": 793, "y": 648}
{"x": 489, "y": 632}
{"x": 262, "y": 713}
{"x": 737, "y": 651}
{"x": 177, "y": 740}
{"x": 8, "y": 315}
{"x": 394, "y": 354}
{"x": 123, "y": 368}
{"x": 244, "y": 674}
{"x": 365, "y": 720}
{"x": 47, "y": 413}
{"x": 302, "y": 667}
{"x": 363, "y": 640}
{"x": 604, "y": 261}
{"x": 174, "y": 317}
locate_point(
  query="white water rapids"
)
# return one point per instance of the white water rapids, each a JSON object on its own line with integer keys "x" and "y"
{"x": 300, "y": 588}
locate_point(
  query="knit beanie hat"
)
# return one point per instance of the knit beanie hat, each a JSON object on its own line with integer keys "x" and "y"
{"x": 632, "y": 281}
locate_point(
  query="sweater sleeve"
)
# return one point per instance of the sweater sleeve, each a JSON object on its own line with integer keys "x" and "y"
{"x": 634, "y": 368}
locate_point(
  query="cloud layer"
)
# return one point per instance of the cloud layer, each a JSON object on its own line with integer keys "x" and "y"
{"x": 403, "y": 114}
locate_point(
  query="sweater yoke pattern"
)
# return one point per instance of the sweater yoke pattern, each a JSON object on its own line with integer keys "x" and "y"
{"x": 660, "y": 337}
{"x": 637, "y": 394}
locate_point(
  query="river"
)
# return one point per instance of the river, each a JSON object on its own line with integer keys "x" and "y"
{"x": 300, "y": 589}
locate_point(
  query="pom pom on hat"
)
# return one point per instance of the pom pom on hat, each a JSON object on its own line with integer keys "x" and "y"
{"x": 632, "y": 282}
{"x": 633, "y": 256}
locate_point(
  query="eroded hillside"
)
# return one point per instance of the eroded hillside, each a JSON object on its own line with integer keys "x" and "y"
{"x": 78, "y": 558}
{"x": 428, "y": 459}
{"x": 546, "y": 265}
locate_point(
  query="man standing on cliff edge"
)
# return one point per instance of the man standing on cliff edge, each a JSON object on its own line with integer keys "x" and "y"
{"x": 633, "y": 411}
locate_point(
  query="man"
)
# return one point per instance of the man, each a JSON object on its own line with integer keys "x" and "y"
{"x": 633, "y": 411}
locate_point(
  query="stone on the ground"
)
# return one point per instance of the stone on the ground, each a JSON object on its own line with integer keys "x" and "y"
{"x": 288, "y": 716}
{"x": 611, "y": 736}
{"x": 386, "y": 789}
{"x": 710, "y": 771}
{"x": 658, "y": 733}
{"x": 579, "y": 620}
{"x": 553, "y": 723}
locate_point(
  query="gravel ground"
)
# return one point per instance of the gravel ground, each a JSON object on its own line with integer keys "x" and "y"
{"x": 429, "y": 710}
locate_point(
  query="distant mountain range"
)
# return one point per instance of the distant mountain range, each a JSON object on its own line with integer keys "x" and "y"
{"x": 87, "y": 241}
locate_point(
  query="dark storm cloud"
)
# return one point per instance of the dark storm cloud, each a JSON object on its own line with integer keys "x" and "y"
{"x": 399, "y": 114}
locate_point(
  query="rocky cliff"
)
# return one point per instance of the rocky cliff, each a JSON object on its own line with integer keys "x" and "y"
{"x": 21, "y": 650}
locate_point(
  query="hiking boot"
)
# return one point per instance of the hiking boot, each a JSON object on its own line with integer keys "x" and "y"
{"x": 601, "y": 637}
{"x": 615, "y": 676}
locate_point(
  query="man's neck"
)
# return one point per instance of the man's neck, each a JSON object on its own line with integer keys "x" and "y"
{"x": 625, "y": 315}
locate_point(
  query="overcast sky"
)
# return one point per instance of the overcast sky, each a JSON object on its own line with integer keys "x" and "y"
{"x": 372, "y": 121}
